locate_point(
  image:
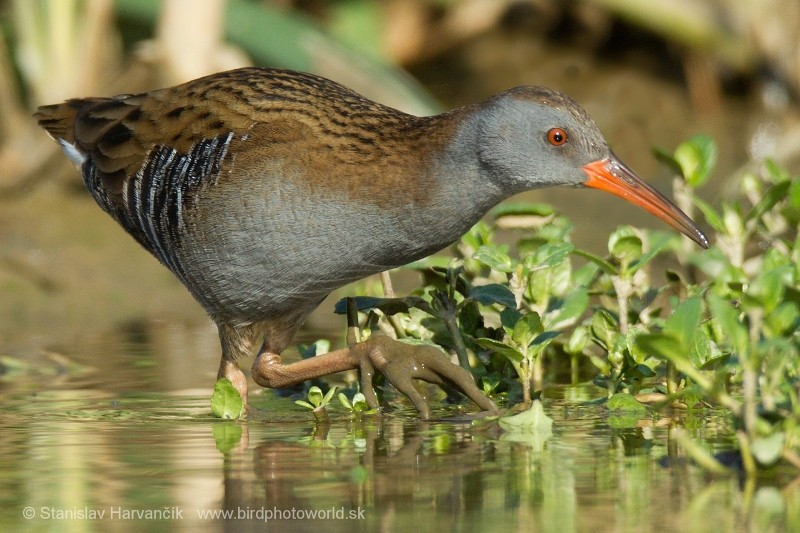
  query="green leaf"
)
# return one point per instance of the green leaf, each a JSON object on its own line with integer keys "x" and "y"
{"x": 526, "y": 329}
{"x": 530, "y": 420}
{"x": 774, "y": 194}
{"x": 701, "y": 348}
{"x": 345, "y": 401}
{"x": 667, "y": 158}
{"x": 492, "y": 256}
{"x": 794, "y": 194}
{"x": 477, "y": 236}
{"x": 665, "y": 346}
{"x": 567, "y": 311}
{"x": 225, "y": 400}
{"x": 494, "y": 293}
{"x": 509, "y": 318}
{"x": 318, "y": 347}
{"x": 360, "y": 403}
{"x": 713, "y": 218}
{"x": 622, "y": 401}
{"x": 531, "y": 427}
{"x": 315, "y": 396}
{"x": 522, "y": 208}
{"x": 658, "y": 241}
{"x": 578, "y": 340}
{"x": 769, "y": 286}
{"x": 426, "y": 264}
{"x": 625, "y": 245}
{"x": 714, "y": 263}
{"x": 605, "y": 328}
{"x": 732, "y": 220}
{"x": 696, "y": 158}
{"x": 728, "y": 322}
{"x": 543, "y": 339}
{"x": 512, "y": 354}
{"x": 584, "y": 275}
{"x": 550, "y": 255}
{"x": 684, "y": 321}
{"x": 767, "y": 450}
{"x": 604, "y": 265}
{"x": 328, "y": 395}
{"x": 303, "y": 403}
{"x": 390, "y": 306}
{"x": 784, "y": 319}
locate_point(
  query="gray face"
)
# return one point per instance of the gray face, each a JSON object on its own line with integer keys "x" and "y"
{"x": 518, "y": 150}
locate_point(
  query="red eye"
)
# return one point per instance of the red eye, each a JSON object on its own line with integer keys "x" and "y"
{"x": 557, "y": 136}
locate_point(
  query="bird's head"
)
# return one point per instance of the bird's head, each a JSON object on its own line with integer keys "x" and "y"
{"x": 532, "y": 137}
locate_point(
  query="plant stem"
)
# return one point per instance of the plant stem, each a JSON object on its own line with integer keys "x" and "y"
{"x": 623, "y": 289}
{"x": 537, "y": 377}
{"x": 747, "y": 457}
{"x": 573, "y": 368}
{"x": 672, "y": 378}
{"x": 388, "y": 292}
{"x": 749, "y": 394}
{"x": 526, "y": 382}
{"x": 458, "y": 341}
{"x": 749, "y": 377}
{"x": 703, "y": 458}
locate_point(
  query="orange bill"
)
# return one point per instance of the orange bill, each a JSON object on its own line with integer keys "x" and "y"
{"x": 611, "y": 175}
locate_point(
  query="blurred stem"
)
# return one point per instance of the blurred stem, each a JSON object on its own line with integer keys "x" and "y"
{"x": 672, "y": 378}
{"x": 537, "y": 373}
{"x": 573, "y": 368}
{"x": 388, "y": 292}
{"x": 791, "y": 457}
{"x": 525, "y": 374}
{"x": 623, "y": 288}
{"x": 681, "y": 193}
{"x": 12, "y": 117}
{"x": 700, "y": 455}
{"x": 321, "y": 429}
{"x": 747, "y": 457}
{"x": 458, "y": 341}
{"x": 749, "y": 375}
{"x": 749, "y": 393}
{"x": 321, "y": 415}
{"x": 386, "y": 283}
{"x": 353, "y": 335}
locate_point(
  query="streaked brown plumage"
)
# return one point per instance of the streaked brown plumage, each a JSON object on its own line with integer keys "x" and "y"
{"x": 265, "y": 189}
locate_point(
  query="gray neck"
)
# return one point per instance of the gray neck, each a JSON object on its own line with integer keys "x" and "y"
{"x": 464, "y": 192}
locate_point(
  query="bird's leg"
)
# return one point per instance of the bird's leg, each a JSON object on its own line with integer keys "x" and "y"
{"x": 399, "y": 362}
{"x": 230, "y": 369}
{"x": 236, "y": 342}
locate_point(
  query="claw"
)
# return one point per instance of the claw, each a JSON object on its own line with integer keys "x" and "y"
{"x": 401, "y": 363}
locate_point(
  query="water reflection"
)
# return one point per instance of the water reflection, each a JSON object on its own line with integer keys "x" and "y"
{"x": 89, "y": 450}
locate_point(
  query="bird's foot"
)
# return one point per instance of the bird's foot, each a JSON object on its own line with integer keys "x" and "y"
{"x": 399, "y": 362}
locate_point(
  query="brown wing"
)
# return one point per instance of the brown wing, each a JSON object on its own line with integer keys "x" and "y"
{"x": 143, "y": 156}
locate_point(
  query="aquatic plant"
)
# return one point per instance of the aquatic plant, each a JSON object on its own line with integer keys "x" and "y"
{"x": 720, "y": 329}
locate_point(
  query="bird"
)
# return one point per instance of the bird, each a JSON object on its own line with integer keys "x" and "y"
{"x": 265, "y": 189}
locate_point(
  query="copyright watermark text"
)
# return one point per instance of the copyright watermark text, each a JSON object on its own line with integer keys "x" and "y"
{"x": 264, "y": 514}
